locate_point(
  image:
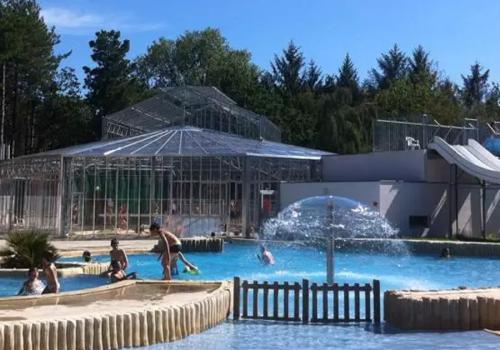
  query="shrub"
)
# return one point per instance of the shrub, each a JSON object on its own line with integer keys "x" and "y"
{"x": 26, "y": 249}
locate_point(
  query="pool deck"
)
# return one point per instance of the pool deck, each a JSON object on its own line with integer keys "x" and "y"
{"x": 122, "y": 315}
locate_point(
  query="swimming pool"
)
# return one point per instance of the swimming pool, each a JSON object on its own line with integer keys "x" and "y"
{"x": 9, "y": 286}
{"x": 294, "y": 263}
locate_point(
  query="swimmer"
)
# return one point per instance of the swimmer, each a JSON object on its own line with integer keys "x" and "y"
{"x": 49, "y": 268}
{"x": 118, "y": 254}
{"x": 87, "y": 256}
{"x": 446, "y": 253}
{"x": 172, "y": 248}
{"x": 32, "y": 286}
{"x": 118, "y": 274}
{"x": 265, "y": 257}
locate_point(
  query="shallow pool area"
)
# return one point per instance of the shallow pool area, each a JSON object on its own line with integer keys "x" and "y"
{"x": 9, "y": 286}
{"x": 293, "y": 263}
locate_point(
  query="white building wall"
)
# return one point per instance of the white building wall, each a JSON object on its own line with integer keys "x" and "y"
{"x": 398, "y": 200}
{"x": 364, "y": 192}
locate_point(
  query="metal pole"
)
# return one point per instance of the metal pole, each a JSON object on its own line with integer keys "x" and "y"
{"x": 329, "y": 259}
{"x": 483, "y": 209}
{"x": 4, "y": 149}
{"x": 330, "y": 245}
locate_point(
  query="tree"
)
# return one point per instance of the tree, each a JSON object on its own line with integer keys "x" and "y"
{"x": 348, "y": 78}
{"x": 420, "y": 68}
{"x": 392, "y": 66}
{"x": 200, "y": 58}
{"x": 288, "y": 70}
{"x": 312, "y": 77}
{"x": 111, "y": 86}
{"x": 475, "y": 85}
{"x": 26, "y": 52}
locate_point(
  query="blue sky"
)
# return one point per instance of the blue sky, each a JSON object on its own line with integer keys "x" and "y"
{"x": 456, "y": 32}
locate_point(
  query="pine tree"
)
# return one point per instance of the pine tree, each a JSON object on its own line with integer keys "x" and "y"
{"x": 312, "y": 77}
{"x": 420, "y": 68}
{"x": 287, "y": 70}
{"x": 110, "y": 84}
{"x": 475, "y": 85}
{"x": 348, "y": 78}
{"x": 392, "y": 66}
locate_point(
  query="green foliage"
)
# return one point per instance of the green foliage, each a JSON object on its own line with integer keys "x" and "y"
{"x": 26, "y": 249}
{"x": 35, "y": 97}
{"x": 475, "y": 85}
{"x": 330, "y": 111}
{"x": 111, "y": 85}
{"x": 392, "y": 66}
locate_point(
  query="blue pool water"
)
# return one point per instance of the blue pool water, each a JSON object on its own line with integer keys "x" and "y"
{"x": 295, "y": 263}
{"x": 9, "y": 286}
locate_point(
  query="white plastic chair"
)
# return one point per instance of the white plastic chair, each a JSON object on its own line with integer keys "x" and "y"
{"x": 411, "y": 143}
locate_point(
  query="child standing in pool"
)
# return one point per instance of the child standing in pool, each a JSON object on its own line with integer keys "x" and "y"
{"x": 49, "y": 268}
{"x": 171, "y": 251}
{"x": 33, "y": 286}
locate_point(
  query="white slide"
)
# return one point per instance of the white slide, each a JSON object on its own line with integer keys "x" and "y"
{"x": 474, "y": 159}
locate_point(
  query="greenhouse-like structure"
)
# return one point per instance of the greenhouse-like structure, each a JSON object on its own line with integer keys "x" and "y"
{"x": 191, "y": 180}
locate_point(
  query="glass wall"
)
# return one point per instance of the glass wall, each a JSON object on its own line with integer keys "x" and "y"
{"x": 187, "y": 195}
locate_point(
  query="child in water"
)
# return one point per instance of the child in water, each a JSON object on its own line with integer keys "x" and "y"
{"x": 265, "y": 257}
{"x": 33, "y": 286}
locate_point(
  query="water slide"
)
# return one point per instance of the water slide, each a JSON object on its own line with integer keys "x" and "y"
{"x": 473, "y": 158}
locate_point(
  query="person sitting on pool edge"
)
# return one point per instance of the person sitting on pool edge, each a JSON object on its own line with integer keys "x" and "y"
{"x": 171, "y": 250}
{"x": 118, "y": 274}
{"x": 32, "y": 286}
{"x": 118, "y": 254}
{"x": 265, "y": 257}
{"x": 49, "y": 268}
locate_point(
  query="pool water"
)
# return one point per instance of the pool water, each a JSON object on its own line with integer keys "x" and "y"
{"x": 293, "y": 263}
{"x": 10, "y": 286}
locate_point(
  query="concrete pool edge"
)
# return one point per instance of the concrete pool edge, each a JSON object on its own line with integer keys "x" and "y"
{"x": 453, "y": 309}
{"x": 148, "y": 326}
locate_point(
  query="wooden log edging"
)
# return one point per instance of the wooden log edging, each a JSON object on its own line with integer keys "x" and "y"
{"x": 458, "y": 309}
{"x": 151, "y": 325}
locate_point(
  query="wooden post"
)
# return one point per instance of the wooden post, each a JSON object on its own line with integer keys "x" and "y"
{"x": 245, "y": 299}
{"x": 296, "y": 291}
{"x": 368, "y": 289}
{"x": 325, "y": 302}
{"x": 266, "y": 300}
{"x": 335, "y": 302}
{"x": 275, "y": 300}
{"x": 236, "y": 298}
{"x": 305, "y": 301}
{"x": 376, "y": 301}
{"x": 285, "y": 300}
{"x": 255, "y": 313}
{"x": 346, "y": 302}
{"x": 314, "y": 288}
{"x": 356, "y": 302}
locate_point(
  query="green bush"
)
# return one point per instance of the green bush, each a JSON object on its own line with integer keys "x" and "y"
{"x": 26, "y": 249}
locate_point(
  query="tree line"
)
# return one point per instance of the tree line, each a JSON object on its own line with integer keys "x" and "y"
{"x": 44, "y": 106}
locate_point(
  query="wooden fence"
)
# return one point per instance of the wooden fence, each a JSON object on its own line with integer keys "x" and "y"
{"x": 291, "y": 307}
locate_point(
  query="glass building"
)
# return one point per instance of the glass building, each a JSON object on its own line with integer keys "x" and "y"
{"x": 190, "y": 179}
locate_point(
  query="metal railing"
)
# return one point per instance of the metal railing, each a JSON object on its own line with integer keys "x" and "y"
{"x": 394, "y": 135}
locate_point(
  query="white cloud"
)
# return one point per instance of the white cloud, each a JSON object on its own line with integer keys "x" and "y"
{"x": 75, "y": 22}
